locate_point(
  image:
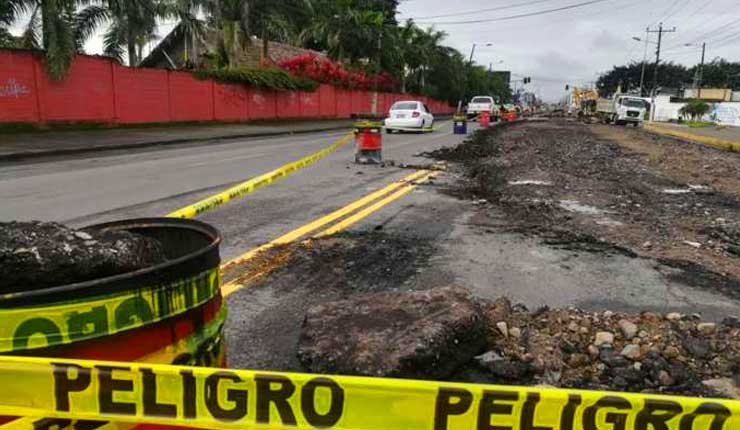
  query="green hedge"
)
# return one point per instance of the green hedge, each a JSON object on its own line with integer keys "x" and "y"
{"x": 267, "y": 78}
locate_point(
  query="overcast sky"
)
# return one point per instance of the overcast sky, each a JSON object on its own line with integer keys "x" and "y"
{"x": 575, "y": 45}
{"x": 570, "y": 46}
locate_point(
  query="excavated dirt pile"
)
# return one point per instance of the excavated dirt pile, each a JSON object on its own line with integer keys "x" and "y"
{"x": 596, "y": 189}
{"x": 36, "y": 255}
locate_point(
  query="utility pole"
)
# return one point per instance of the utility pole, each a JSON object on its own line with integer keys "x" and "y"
{"x": 701, "y": 70}
{"x": 644, "y": 59}
{"x": 660, "y": 32}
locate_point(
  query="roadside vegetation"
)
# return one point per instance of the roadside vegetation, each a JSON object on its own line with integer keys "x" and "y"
{"x": 695, "y": 109}
{"x": 719, "y": 73}
{"x": 360, "y": 37}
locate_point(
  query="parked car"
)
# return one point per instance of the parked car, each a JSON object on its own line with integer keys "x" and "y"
{"x": 408, "y": 115}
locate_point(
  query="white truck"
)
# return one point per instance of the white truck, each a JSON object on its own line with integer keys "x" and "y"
{"x": 622, "y": 109}
{"x": 479, "y": 104}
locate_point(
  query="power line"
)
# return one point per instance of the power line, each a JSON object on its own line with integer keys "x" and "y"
{"x": 709, "y": 34}
{"x": 491, "y": 9}
{"x": 523, "y": 15}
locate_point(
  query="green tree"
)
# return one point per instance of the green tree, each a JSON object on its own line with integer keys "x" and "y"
{"x": 695, "y": 108}
{"x": 61, "y": 27}
{"x": 189, "y": 26}
{"x": 719, "y": 73}
{"x": 132, "y": 24}
{"x": 347, "y": 32}
{"x": 52, "y": 27}
{"x": 9, "y": 11}
{"x": 670, "y": 75}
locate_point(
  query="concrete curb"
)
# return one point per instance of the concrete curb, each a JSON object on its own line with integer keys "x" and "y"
{"x": 26, "y": 155}
{"x": 692, "y": 138}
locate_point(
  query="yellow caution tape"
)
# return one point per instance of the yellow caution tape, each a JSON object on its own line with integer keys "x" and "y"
{"x": 202, "y": 348}
{"x": 23, "y": 328}
{"x": 253, "y": 184}
{"x": 243, "y": 399}
{"x": 706, "y": 140}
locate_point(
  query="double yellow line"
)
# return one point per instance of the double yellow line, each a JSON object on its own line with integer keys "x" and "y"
{"x": 336, "y": 221}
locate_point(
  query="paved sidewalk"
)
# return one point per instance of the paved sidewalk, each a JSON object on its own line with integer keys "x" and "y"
{"x": 19, "y": 146}
{"x": 726, "y": 137}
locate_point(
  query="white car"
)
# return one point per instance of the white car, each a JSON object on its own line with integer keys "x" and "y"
{"x": 408, "y": 115}
{"x": 479, "y": 104}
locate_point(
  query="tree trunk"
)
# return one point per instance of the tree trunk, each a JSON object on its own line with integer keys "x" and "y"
{"x": 244, "y": 19}
{"x": 133, "y": 61}
{"x": 265, "y": 49}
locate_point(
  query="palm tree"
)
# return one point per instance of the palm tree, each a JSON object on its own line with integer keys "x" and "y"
{"x": 279, "y": 20}
{"x": 132, "y": 25}
{"x": 231, "y": 18}
{"x": 9, "y": 11}
{"x": 189, "y": 27}
{"x": 59, "y": 27}
{"x": 346, "y": 32}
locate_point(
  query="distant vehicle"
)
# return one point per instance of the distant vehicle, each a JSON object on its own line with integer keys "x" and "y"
{"x": 479, "y": 104}
{"x": 405, "y": 115}
{"x": 622, "y": 110}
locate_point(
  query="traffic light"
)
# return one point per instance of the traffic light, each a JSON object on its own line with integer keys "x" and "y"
{"x": 527, "y": 80}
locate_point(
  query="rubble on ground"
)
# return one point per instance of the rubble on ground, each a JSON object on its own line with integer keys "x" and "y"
{"x": 36, "y": 255}
{"x": 605, "y": 350}
{"x": 422, "y": 334}
{"x": 441, "y": 333}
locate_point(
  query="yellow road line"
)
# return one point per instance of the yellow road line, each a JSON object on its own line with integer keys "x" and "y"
{"x": 318, "y": 223}
{"x": 336, "y": 228}
{"x": 406, "y": 185}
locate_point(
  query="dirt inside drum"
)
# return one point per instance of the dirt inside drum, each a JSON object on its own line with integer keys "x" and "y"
{"x": 171, "y": 313}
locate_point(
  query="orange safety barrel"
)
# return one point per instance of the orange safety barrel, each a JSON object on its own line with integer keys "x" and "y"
{"x": 369, "y": 139}
{"x": 484, "y": 119}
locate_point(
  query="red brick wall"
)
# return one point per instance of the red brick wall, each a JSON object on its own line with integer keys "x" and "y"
{"x": 100, "y": 90}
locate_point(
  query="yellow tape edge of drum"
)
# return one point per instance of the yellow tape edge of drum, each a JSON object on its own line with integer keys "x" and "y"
{"x": 36, "y": 327}
{"x": 240, "y": 399}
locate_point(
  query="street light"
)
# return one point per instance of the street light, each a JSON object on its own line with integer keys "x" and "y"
{"x": 472, "y": 50}
{"x": 490, "y": 65}
{"x": 644, "y": 60}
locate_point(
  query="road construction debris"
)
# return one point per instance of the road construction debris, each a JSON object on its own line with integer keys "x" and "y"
{"x": 609, "y": 195}
{"x": 437, "y": 334}
{"x": 36, "y": 255}
{"x": 421, "y": 334}
{"x": 646, "y": 352}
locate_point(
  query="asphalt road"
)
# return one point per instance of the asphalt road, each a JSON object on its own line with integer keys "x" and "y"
{"x": 85, "y": 190}
{"x": 89, "y": 189}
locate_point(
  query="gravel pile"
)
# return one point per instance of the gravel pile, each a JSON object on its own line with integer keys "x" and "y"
{"x": 647, "y": 352}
